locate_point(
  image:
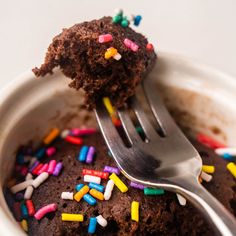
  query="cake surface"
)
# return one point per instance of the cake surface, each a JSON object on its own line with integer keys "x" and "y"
{"x": 80, "y": 56}
{"x": 159, "y": 215}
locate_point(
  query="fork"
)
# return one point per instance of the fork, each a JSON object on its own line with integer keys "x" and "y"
{"x": 167, "y": 161}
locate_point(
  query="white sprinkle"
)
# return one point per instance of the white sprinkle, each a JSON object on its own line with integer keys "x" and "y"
{"x": 206, "y": 176}
{"x": 118, "y": 11}
{"x": 182, "y": 200}
{"x": 65, "y": 133}
{"x": 67, "y": 195}
{"x": 29, "y": 176}
{"x": 40, "y": 179}
{"x": 28, "y": 192}
{"x": 101, "y": 221}
{"x": 117, "y": 56}
{"x": 21, "y": 186}
{"x": 32, "y": 161}
{"x": 222, "y": 151}
{"x": 108, "y": 189}
{"x": 92, "y": 179}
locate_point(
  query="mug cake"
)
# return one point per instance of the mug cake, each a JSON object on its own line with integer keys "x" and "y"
{"x": 68, "y": 184}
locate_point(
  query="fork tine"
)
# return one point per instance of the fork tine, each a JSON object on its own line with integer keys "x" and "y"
{"x": 109, "y": 132}
{"x": 145, "y": 123}
{"x": 128, "y": 126}
{"x": 158, "y": 108}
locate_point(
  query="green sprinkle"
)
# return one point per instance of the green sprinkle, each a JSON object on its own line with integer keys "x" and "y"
{"x": 139, "y": 130}
{"x": 117, "y": 19}
{"x": 153, "y": 191}
{"x": 124, "y": 23}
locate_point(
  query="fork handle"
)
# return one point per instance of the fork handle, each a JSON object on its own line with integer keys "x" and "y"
{"x": 214, "y": 211}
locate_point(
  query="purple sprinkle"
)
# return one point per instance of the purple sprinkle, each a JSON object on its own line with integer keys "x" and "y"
{"x": 57, "y": 169}
{"x": 135, "y": 185}
{"x": 34, "y": 166}
{"x": 19, "y": 196}
{"x": 89, "y": 158}
{"x": 111, "y": 169}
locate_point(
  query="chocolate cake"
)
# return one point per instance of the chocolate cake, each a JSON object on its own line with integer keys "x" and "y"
{"x": 81, "y": 57}
{"x": 159, "y": 215}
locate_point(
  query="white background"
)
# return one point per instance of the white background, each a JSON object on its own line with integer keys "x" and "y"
{"x": 200, "y": 29}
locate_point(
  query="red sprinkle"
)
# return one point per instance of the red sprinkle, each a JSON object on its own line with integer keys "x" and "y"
{"x": 116, "y": 121}
{"x": 84, "y": 131}
{"x": 149, "y": 47}
{"x": 208, "y": 141}
{"x": 30, "y": 207}
{"x": 24, "y": 170}
{"x": 74, "y": 140}
{"x": 43, "y": 169}
{"x": 101, "y": 174}
{"x": 36, "y": 169}
{"x": 17, "y": 168}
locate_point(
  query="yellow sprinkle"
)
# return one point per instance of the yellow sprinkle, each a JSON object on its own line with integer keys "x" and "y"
{"x": 232, "y": 168}
{"x": 51, "y": 136}
{"x": 135, "y": 211}
{"x": 81, "y": 193}
{"x": 119, "y": 183}
{"x": 110, "y": 53}
{"x": 108, "y": 106}
{"x": 95, "y": 193}
{"x": 72, "y": 217}
{"x": 208, "y": 169}
{"x": 24, "y": 225}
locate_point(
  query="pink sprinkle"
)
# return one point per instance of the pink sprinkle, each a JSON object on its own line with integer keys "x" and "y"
{"x": 134, "y": 47}
{"x": 50, "y": 151}
{"x": 51, "y": 166}
{"x": 44, "y": 210}
{"x": 104, "y": 38}
{"x": 127, "y": 43}
{"x": 130, "y": 44}
{"x": 81, "y": 132}
{"x": 43, "y": 169}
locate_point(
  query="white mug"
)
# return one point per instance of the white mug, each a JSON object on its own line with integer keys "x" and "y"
{"x": 200, "y": 98}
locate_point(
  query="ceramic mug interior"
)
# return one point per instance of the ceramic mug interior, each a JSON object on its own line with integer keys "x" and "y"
{"x": 200, "y": 99}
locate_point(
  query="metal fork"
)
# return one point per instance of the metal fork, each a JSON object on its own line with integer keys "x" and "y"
{"x": 169, "y": 162}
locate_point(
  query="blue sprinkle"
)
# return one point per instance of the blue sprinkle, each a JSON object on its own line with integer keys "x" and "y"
{"x": 24, "y": 211}
{"x": 83, "y": 154}
{"x": 89, "y": 199}
{"x": 109, "y": 154}
{"x": 228, "y": 157}
{"x": 92, "y": 225}
{"x": 79, "y": 186}
{"x": 98, "y": 187}
{"x": 40, "y": 153}
{"x": 137, "y": 20}
{"x": 20, "y": 159}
